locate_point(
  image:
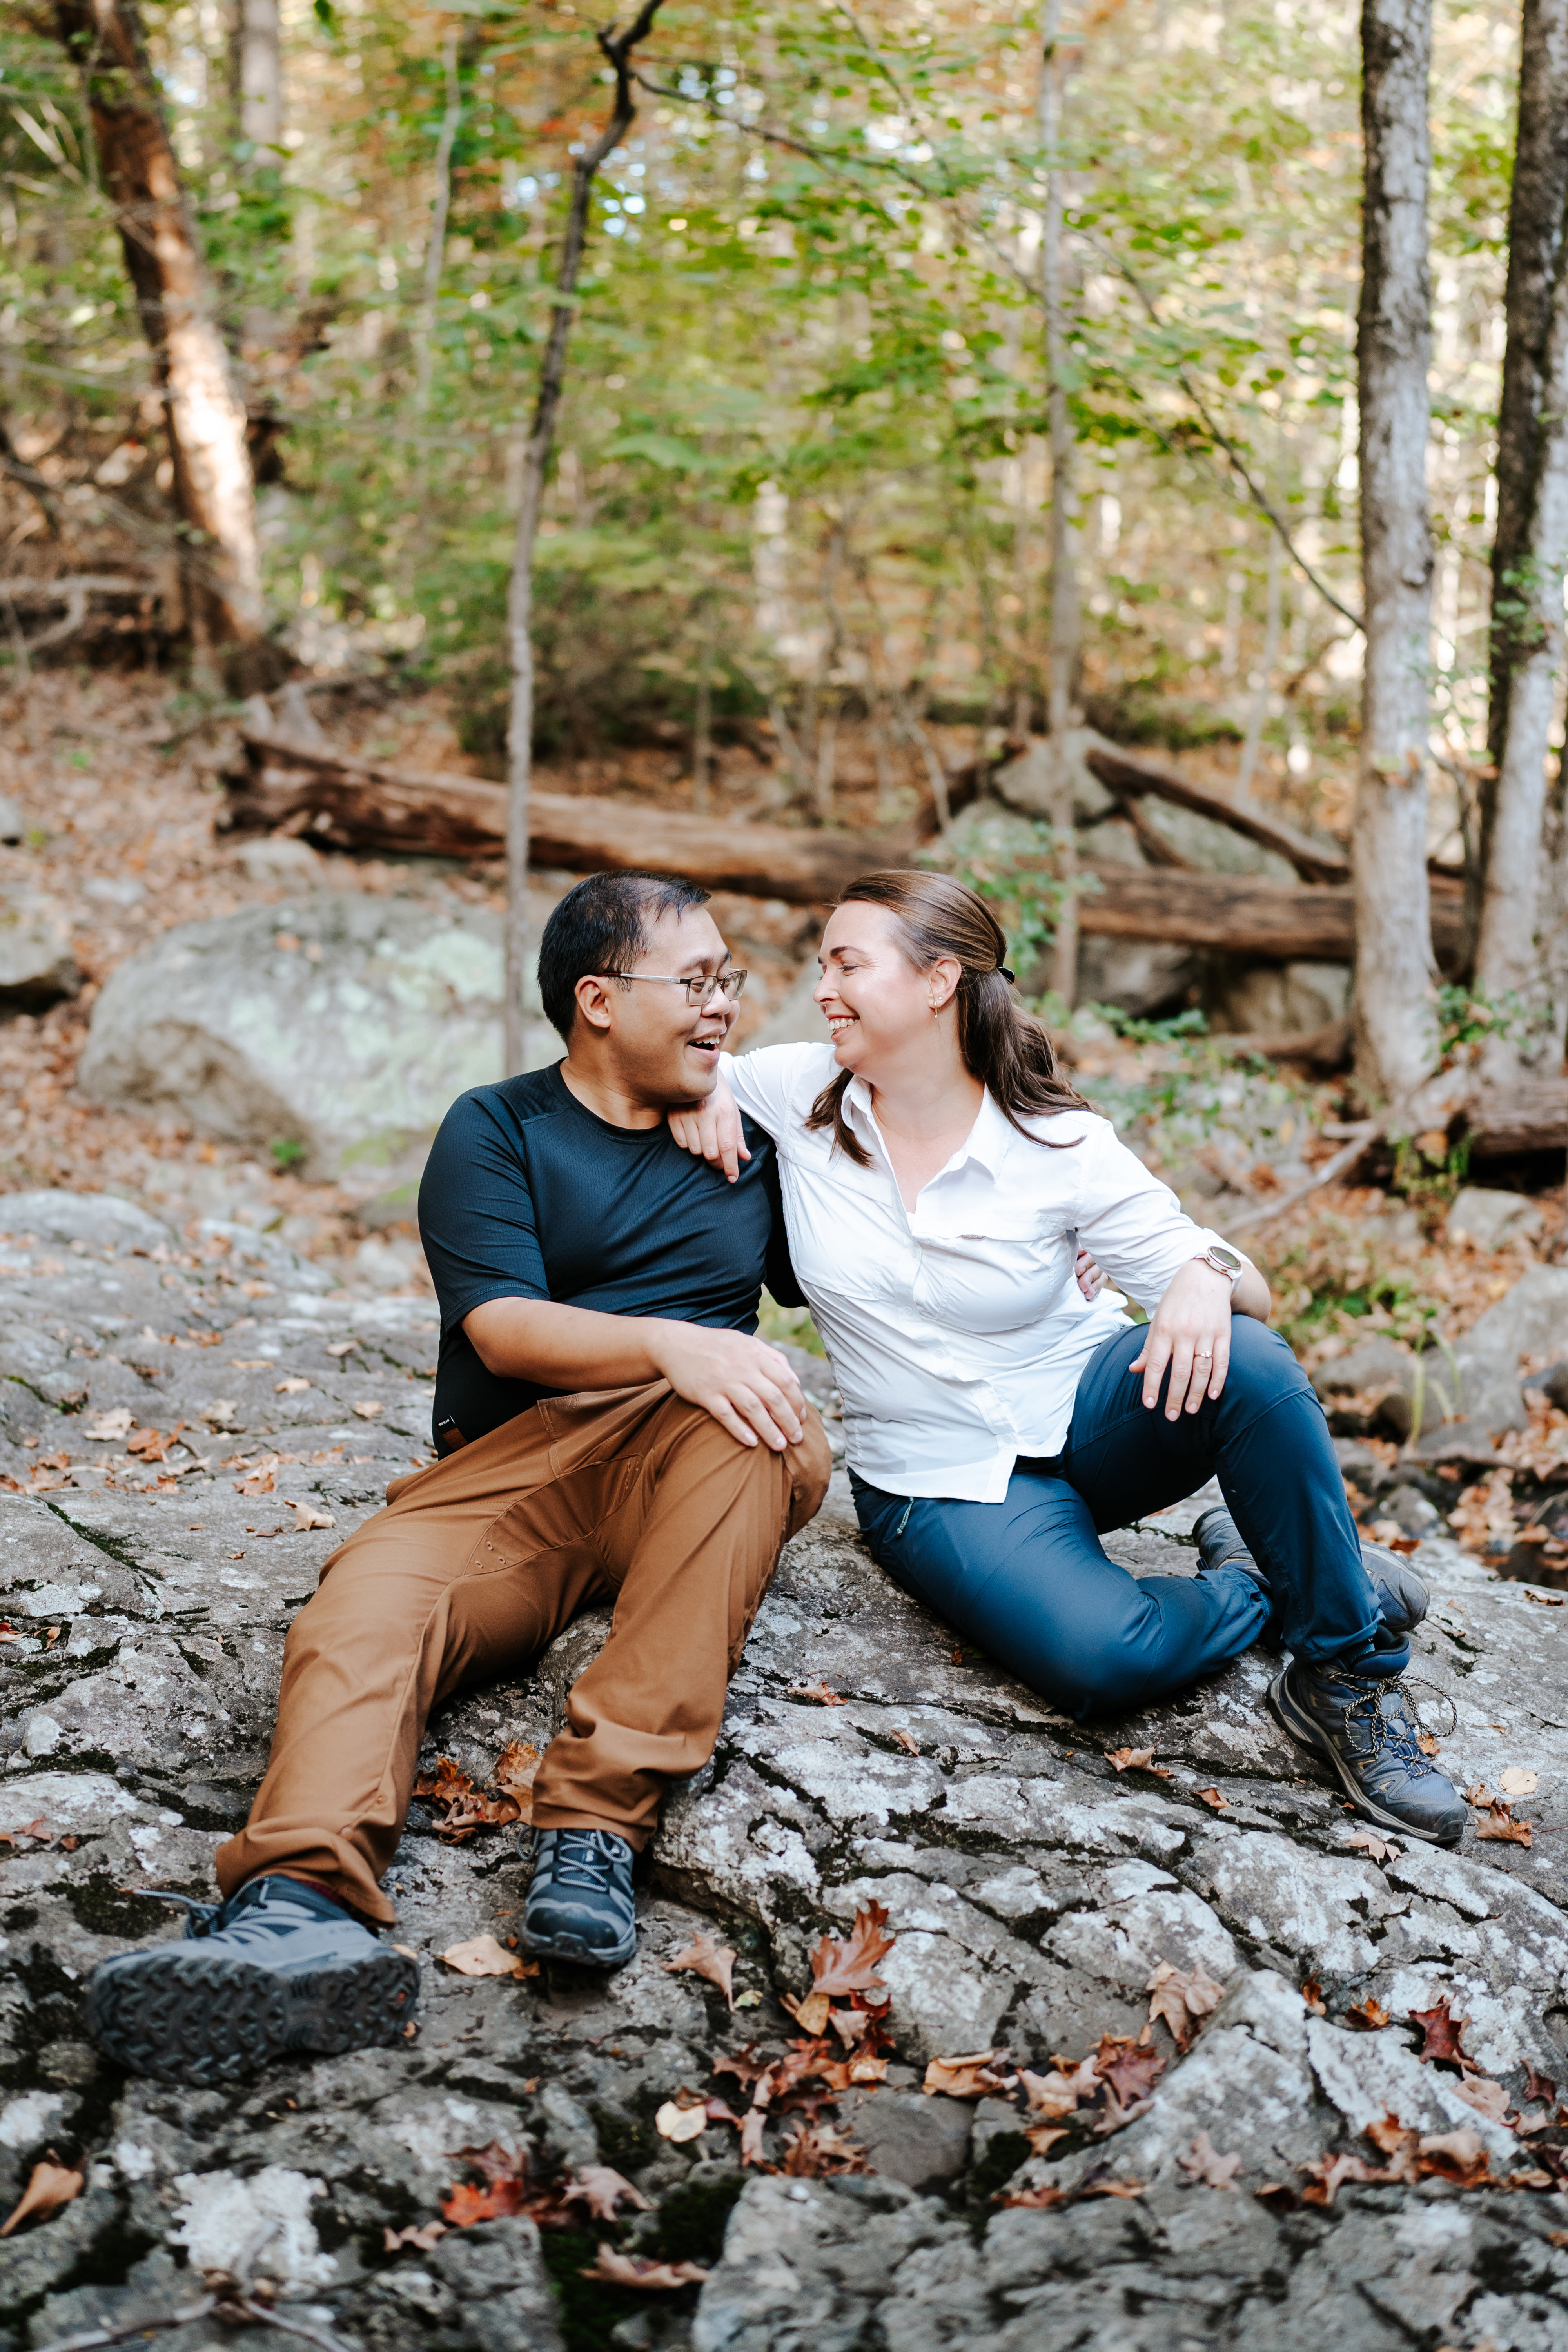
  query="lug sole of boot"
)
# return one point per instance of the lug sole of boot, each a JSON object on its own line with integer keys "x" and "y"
{"x": 572, "y": 1947}
{"x": 205, "y": 2020}
{"x": 1300, "y": 1726}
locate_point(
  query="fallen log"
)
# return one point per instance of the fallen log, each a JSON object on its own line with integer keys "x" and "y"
{"x": 360, "y": 805}
{"x": 1237, "y": 915}
{"x": 1529, "y": 1116}
{"x": 1315, "y": 860}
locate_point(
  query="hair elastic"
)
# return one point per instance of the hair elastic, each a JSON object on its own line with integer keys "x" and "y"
{"x": 1006, "y": 975}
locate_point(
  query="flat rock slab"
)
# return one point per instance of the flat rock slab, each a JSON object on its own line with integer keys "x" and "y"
{"x": 1032, "y": 1888}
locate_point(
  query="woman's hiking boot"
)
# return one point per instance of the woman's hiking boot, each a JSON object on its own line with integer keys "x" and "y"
{"x": 1401, "y": 1596}
{"x": 1365, "y": 1728}
{"x": 580, "y": 1899}
{"x": 277, "y": 1969}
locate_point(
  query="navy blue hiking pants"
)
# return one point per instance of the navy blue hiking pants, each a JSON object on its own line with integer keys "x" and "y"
{"x": 1025, "y": 1579}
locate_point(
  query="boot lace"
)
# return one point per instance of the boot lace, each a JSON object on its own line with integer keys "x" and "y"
{"x": 204, "y": 1918}
{"x": 1385, "y": 1734}
{"x": 584, "y": 1859}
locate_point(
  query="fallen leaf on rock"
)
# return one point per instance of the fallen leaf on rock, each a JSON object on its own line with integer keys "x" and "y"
{"x": 151, "y": 1445}
{"x": 481, "y": 1955}
{"x": 601, "y": 2189}
{"x": 972, "y": 2078}
{"x": 1115, "y": 2117}
{"x": 507, "y": 2189}
{"x": 109, "y": 1427}
{"x": 812, "y": 2152}
{"x": 1369, "y": 2014}
{"x": 50, "y": 2185}
{"x": 1128, "y": 2069}
{"x": 1380, "y": 1849}
{"x": 306, "y": 1516}
{"x": 744, "y": 2065}
{"x": 1134, "y": 1760}
{"x": 37, "y": 1829}
{"x": 682, "y": 2118}
{"x": 1459, "y": 2156}
{"x": 704, "y": 1957}
{"x": 1043, "y": 2137}
{"x": 342, "y": 1347}
{"x": 1207, "y": 2168}
{"x": 1096, "y": 2184}
{"x": 1501, "y": 1824}
{"x": 748, "y": 2001}
{"x": 812, "y": 2013}
{"x": 259, "y": 1482}
{"x": 1427, "y": 1744}
{"x": 1063, "y": 2090}
{"x": 817, "y": 1691}
{"x": 1545, "y": 1600}
{"x": 1312, "y": 1999}
{"x": 1183, "y": 1997}
{"x": 842, "y": 1968}
{"x": 1212, "y": 1798}
{"x": 752, "y": 2130}
{"x": 1326, "y": 2175}
{"x": 1440, "y": 2031}
{"x": 1539, "y": 2087}
{"x": 391, "y": 2240}
{"x": 1395, "y": 2141}
{"x": 1277, "y": 2197}
{"x": 516, "y": 1767}
{"x": 1517, "y": 1781}
{"x": 1487, "y": 2098}
{"x": 463, "y": 1808}
{"x": 906, "y": 1741}
{"x": 368, "y": 1410}
{"x": 616, "y": 2269}
{"x": 290, "y": 1388}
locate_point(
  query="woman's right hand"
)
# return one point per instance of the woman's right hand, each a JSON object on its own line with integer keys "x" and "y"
{"x": 711, "y": 1130}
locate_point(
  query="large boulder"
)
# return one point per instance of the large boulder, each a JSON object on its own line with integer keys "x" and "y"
{"x": 339, "y": 1025}
{"x": 37, "y": 966}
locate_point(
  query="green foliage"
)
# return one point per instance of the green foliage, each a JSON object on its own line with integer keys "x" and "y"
{"x": 1342, "y": 1279}
{"x": 287, "y": 1151}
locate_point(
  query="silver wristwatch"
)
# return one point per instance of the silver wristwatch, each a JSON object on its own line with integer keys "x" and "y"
{"x": 1224, "y": 1260}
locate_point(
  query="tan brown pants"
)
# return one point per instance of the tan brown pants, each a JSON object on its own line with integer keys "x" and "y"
{"x": 473, "y": 1568}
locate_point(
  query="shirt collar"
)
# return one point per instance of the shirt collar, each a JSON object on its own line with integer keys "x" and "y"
{"x": 986, "y": 1142}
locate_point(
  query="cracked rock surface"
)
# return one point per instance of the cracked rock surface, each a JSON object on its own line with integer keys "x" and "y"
{"x": 1032, "y": 1889}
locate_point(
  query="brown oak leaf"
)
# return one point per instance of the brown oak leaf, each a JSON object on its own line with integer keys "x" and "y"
{"x": 975, "y": 2077}
{"x": 815, "y": 2151}
{"x": 820, "y": 1691}
{"x": 1212, "y": 1798}
{"x": 1183, "y": 1997}
{"x": 391, "y": 2240}
{"x": 1539, "y": 2087}
{"x": 1313, "y": 1998}
{"x": 482, "y": 1956}
{"x": 1135, "y": 1760}
{"x": 1459, "y": 2156}
{"x": 1369, "y": 2014}
{"x": 1326, "y": 2175}
{"x": 616, "y": 2269}
{"x": 851, "y": 1967}
{"x": 1499, "y": 1823}
{"x": 49, "y": 2186}
{"x": 704, "y": 1957}
{"x": 1064, "y": 2090}
{"x": 1487, "y": 2098}
{"x": 601, "y": 2189}
{"x": 906, "y": 1741}
{"x": 1130, "y": 2068}
{"x": 1440, "y": 2031}
{"x": 1207, "y": 2168}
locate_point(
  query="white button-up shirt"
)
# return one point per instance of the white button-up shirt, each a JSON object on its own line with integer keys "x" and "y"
{"x": 956, "y": 1330}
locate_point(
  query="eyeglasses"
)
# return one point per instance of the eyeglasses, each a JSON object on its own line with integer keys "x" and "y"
{"x": 700, "y": 990}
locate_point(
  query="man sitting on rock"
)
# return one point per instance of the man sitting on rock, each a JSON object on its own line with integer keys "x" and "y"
{"x": 611, "y": 1431}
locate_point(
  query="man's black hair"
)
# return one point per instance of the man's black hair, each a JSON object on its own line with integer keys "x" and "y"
{"x": 601, "y": 925}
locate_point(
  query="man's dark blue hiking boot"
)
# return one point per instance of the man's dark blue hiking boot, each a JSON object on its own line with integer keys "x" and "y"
{"x": 1401, "y": 1596}
{"x": 580, "y": 1899}
{"x": 278, "y": 1968}
{"x": 1365, "y": 1730}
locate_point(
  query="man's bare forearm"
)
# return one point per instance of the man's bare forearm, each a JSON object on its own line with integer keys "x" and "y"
{"x": 562, "y": 1346}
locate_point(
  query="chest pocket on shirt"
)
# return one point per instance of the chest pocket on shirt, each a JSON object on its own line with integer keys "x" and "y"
{"x": 999, "y": 1278}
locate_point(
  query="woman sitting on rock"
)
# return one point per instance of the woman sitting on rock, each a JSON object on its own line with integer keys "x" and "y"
{"x": 939, "y": 1177}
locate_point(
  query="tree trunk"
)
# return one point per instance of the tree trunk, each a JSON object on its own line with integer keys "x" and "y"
{"x": 618, "y": 48}
{"x": 1065, "y": 617}
{"x": 258, "y": 80}
{"x": 1513, "y": 945}
{"x": 204, "y": 412}
{"x": 441, "y": 206}
{"x": 1258, "y": 717}
{"x": 1397, "y": 1028}
{"x": 1535, "y": 223}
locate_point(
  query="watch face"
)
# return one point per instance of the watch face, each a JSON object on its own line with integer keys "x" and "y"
{"x": 1228, "y": 1258}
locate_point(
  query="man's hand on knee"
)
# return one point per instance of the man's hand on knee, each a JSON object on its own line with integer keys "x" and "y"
{"x": 747, "y": 1386}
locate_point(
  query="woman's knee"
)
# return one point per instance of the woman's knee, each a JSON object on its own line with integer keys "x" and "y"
{"x": 1262, "y": 1366}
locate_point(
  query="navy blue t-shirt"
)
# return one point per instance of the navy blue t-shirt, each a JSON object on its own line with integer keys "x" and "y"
{"x": 527, "y": 1195}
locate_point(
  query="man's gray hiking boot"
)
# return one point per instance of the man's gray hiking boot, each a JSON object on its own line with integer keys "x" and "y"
{"x": 279, "y": 1967}
{"x": 1401, "y": 1596}
{"x": 580, "y": 1899}
{"x": 1365, "y": 1730}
